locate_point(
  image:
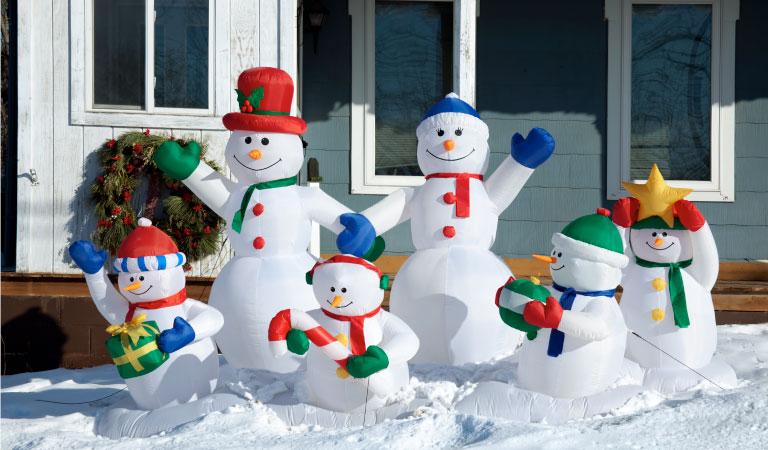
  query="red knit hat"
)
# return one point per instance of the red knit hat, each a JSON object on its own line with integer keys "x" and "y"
{"x": 265, "y": 95}
{"x": 146, "y": 240}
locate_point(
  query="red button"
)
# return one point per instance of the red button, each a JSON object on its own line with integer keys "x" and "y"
{"x": 449, "y": 231}
{"x": 258, "y": 209}
{"x": 258, "y": 243}
{"x": 449, "y": 198}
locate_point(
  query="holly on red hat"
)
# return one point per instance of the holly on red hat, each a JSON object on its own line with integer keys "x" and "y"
{"x": 349, "y": 259}
{"x": 147, "y": 248}
{"x": 265, "y": 95}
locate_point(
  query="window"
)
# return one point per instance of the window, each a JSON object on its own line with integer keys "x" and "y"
{"x": 671, "y": 94}
{"x": 405, "y": 57}
{"x": 132, "y": 74}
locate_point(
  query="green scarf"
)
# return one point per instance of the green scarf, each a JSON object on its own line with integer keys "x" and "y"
{"x": 237, "y": 221}
{"x": 676, "y": 289}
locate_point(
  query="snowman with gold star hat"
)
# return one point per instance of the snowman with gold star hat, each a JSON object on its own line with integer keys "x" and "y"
{"x": 667, "y": 301}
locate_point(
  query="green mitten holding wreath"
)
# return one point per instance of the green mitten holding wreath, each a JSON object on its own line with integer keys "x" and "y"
{"x": 177, "y": 161}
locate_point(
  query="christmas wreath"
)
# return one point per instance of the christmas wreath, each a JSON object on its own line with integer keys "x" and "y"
{"x": 127, "y": 160}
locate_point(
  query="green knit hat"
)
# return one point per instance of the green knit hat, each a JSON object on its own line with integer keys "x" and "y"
{"x": 594, "y": 238}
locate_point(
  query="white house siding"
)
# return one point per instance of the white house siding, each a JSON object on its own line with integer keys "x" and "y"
{"x": 57, "y": 136}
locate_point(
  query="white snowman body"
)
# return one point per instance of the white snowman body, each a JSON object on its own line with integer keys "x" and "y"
{"x": 266, "y": 274}
{"x": 594, "y": 331}
{"x": 330, "y": 387}
{"x": 442, "y": 290}
{"x": 646, "y": 302}
{"x": 190, "y": 372}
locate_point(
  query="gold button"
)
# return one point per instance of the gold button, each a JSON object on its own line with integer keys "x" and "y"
{"x": 341, "y": 373}
{"x": 657, "y": 314}
{"x": 658, "y": 284}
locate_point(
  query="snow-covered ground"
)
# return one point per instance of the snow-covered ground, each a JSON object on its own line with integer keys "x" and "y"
{"x": 697, "y": 419}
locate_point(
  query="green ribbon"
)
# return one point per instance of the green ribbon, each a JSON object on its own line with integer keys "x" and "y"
{"x": 676, "y": 288}
{"x": 237, "y": 221}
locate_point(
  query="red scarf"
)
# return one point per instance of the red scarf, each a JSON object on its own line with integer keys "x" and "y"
{"x": 356, "y": 335}
{"x": 461, "y": 198}
{"x": 175, "y": 299}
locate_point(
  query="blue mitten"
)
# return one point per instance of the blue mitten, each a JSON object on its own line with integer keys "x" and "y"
{"x": 533, "y": 150}
{"x": 177, "y": 337}
{"x": 86, "y": 257}
{"x": 358, "y": 236}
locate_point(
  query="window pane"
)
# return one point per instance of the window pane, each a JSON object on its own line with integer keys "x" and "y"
{"x": 118, "y": 54}
{"x": 414, "y": 47}
{"x": 671, "y": 94}
{"x": 181, "y": 54}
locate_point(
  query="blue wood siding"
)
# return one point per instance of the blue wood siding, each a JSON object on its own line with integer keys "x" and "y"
{"x": 544, "y": 64}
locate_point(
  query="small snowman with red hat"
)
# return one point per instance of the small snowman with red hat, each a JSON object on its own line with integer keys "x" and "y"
{"x": 360, "y": 351}
{"x": 152, "y": 290}
{"x": 269, "y": 217}
{"x": 441, "y": 290}
{"x": 667, "y": 300}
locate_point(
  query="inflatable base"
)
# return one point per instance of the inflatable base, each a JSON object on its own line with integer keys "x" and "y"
{"x": 125, "y": 419}
{"x": 670, "y": 381}
{"x": 304, "y": 414}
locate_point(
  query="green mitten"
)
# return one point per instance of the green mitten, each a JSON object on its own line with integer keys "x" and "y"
{"x": 297, "y": 341}
{"x": 512, "y": 299}
{"x": 177, "y": 161}
{"x": 365, "y": 365}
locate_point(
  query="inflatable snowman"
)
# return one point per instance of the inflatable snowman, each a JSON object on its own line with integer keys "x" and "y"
{"x": 441, "y": 291}
{"x": 667, "y": 301}
{"x": 361, "y": 352}
{"x": 151, "y": 281}
{"x": 576, "y": 333}
{"x": 268, "y": 216}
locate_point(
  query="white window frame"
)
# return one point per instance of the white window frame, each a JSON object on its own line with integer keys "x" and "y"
{"x": 81, "y": 50}
{"x": 363, "y": 109}
{"x": 724, "y": 15}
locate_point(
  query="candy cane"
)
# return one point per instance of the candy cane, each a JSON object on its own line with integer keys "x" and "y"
{"x": 286, "y": 319}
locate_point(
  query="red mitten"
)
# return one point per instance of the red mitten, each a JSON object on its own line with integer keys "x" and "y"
{"x": 544, "y": 316}
{"x": 625, "y": 211}
{"x": 689, "y": 215}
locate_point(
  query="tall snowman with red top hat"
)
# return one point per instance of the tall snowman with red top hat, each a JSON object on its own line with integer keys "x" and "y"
{"x": 360, "y": 352}
{"x": 667, "y": 300}
{"x": 151, "y": 281}
{"x": 268, "y": 216}
{"x": 442, "y": 289}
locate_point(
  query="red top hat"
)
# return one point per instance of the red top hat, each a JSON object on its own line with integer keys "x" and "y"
{"x": 265, "y": 95}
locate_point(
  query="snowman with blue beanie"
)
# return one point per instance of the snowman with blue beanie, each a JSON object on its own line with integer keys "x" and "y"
{"x": 441, "y": 291}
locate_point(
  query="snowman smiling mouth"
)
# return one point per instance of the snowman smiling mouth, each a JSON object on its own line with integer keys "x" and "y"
{"x": 558, "y": 267}
{"x": 449, "y": 160}
{"x": 140, "y": 293}
{"x": 339, "y": 306}
{"x": 659, "y": 249}
{"x": 256, "y": 170}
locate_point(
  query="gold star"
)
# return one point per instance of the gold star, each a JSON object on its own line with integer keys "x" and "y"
{"x": 656, "y": 197}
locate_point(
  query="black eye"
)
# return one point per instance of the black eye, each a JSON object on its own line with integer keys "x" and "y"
{"x": 264, "y": 141}
{"x": 440, "y": 132}
{"x": 333, "y": 289}
{"x": 248, "y": 140}
{"x": 141, "y": 278}
{"x": 560, "y": 254}
{"x": 343, "y": 289}
{"x": 553, "y": 252}
{"x": 458, "y": 132}
{"x": 664, "y": 234}
{"x": 131, "y": 278}
{"x": 654, "y": 234}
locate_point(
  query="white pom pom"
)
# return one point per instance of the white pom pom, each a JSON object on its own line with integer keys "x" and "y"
{"x": 144, "y": 222}
{"x": 452, "y": 95}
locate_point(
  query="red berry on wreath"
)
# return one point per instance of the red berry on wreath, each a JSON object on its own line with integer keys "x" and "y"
{"x": 115, "y": 158}
{"x": 171, "y": 138}
{"x": 194, "y": 245}
{"x": 115, "y": 210}
{"x": 128, "y": 220}
{"x": 187, "y": 197}
{"x": 130, "y": 167}
{"x": 177, "y": 233}
{"x": 207, "y": 230}
{"x": 101, "y": 179}
{"x": 137, "y": 148}
{"x": 127, "y": 196}
{"x": 243, "y": 109}
{"x": 187, "y": 231}
{"x": 146, "y": 132}
{"x": 198, "y": 207}
{"x": 112, "y": 169}
{"x": 111, "y": 143}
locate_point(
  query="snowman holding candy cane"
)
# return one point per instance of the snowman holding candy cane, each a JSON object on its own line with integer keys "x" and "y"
{"x": 361, "y": 352}
{"x": 269, "y": 217}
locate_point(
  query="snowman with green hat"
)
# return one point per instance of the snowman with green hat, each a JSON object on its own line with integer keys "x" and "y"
{"x": 667, "y": 301}
{"x": 574, "y": 351}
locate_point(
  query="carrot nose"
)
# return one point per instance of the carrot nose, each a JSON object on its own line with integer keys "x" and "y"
{"x": 132, "y": 286}
{"x": 448, "y": 145}
{"x": 255, "y": 154}
{"x": 336, "y": 301}
{"x": 547, "y": 259}
{"x": 658, "y": 242}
